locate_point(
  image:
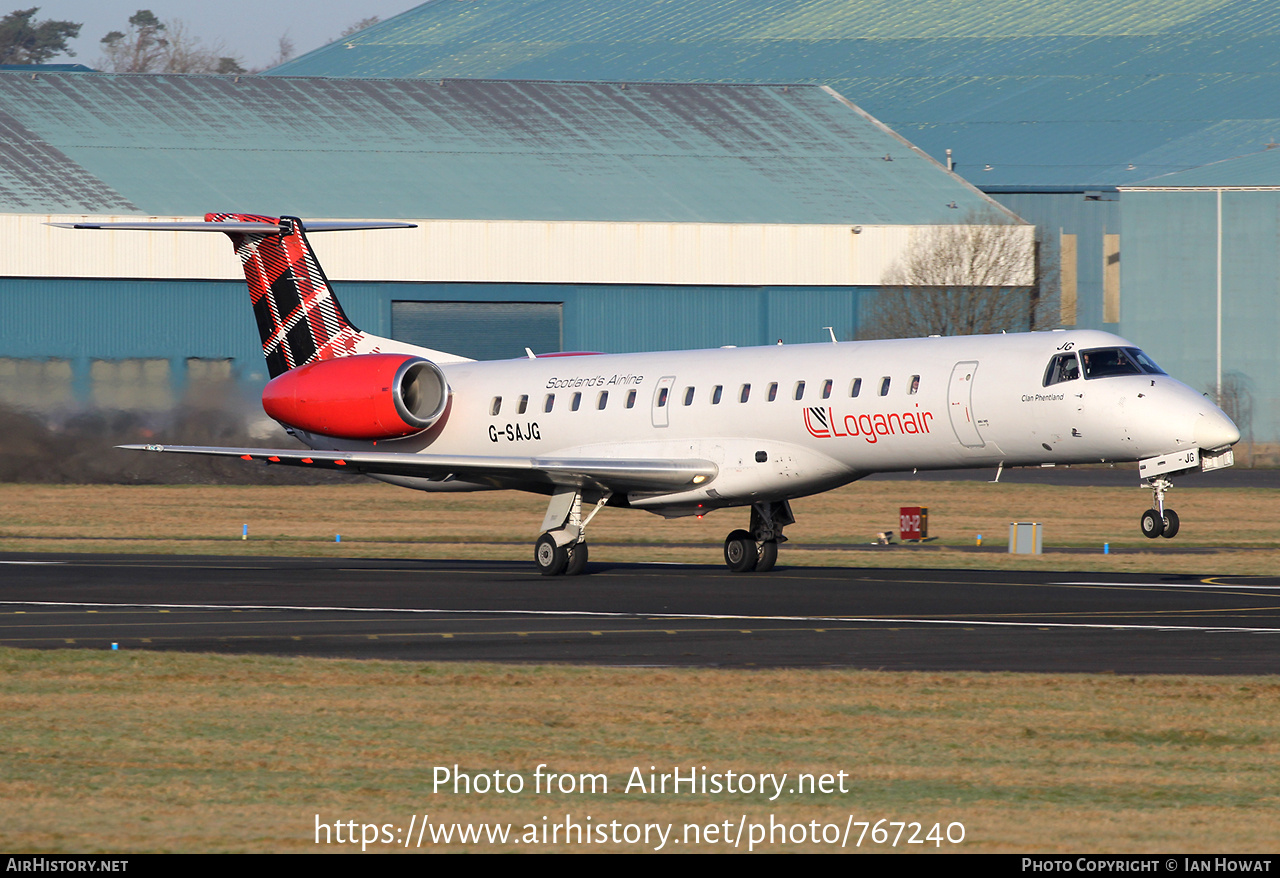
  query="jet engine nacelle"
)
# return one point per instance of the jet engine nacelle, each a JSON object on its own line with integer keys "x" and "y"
{"x": 365, "y": 396}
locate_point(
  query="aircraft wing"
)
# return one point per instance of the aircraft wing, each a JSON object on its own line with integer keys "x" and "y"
{"x": 614, "y": 474}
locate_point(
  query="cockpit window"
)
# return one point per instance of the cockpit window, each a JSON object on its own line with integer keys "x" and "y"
{"x": 1063, "y": 367}
{"x": 1148, "y": 365}
{"x": 1106, "y": 362}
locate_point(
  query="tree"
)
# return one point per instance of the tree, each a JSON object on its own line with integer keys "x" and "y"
{"x": 359, "y": 26}
{"x": 979, "y": 276}
{"x": 23, "y": 41}
{"x": 187, "y": 54}
{"x": 151, "y": 46}
{"x": 141, "y": 50}
{"x": 1234, "y": 397}
{"x": 284, "y": 51}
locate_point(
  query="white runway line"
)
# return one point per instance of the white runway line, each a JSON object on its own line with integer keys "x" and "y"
{"x": 877, "y": 620}
{"x": 1172, "y": 585}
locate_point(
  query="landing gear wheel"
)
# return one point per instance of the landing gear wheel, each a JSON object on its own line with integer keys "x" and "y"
{"x": 577, "y": 559}
{"x": 1152, "y": 524}
{"x": 767, "y": 556}
{"x": 550, "y": 558}
{"x": 1170, "y": 524}
{"x": 740, "y": 552}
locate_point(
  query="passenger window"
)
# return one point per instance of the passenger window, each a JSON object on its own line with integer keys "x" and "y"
{"x": 523, "y": 405}
{"x": 631, "y": 399}
{"x": 773, "y": 391}
{"x": 826, "y": 389}
{"x": 856, "y": 387}
{"x": 1063, "y": 367}
{"x": 715, "y": 394}
{"x": 496, "y": 405}
{"x": 915, "y": 385}
{"x": 576, "y": 402}
{"x": 745, "y": 393}
{"x": 799, "y": 390}
{"x": 884, "y": 386}
{"x": 551, "y": 401}
{"x": 662, "y": 397}
{"x": 602, "y": 400}
{"x": 688, "y": 396}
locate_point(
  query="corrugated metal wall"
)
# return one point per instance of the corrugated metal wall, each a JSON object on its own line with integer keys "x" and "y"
{"x": 83, "y": 321}
{"x": 1169, "y": 279}
{"x": 1090, "y": 217}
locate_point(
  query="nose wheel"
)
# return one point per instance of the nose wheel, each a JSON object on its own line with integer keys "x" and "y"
{"x": 1156, "y": 525}
{"x": 1158, "y": 521}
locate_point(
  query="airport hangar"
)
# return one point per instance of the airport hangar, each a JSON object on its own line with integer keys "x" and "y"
{"x": 1079, "y": 117}
{"x": 599, "y": 216}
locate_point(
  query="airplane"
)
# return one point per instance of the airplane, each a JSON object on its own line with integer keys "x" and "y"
{"x": 682, "y": 433}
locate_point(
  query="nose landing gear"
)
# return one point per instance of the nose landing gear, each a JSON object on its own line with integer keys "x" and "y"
{"x": 1158, "y": 521}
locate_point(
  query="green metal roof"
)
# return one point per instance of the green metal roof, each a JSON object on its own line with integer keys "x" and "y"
{"x": 460, "y": 149}
{"x": 1028, "y": 93}
{"x": 1260, "y": 169}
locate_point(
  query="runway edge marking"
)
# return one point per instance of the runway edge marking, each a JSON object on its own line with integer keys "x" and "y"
{"x": 638, "y": 615}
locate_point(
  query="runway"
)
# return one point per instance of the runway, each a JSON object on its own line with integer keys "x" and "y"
{"x": 645, "y": 614}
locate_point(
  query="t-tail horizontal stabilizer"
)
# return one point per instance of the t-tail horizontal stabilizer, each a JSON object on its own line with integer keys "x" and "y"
{"x": 256, "y": 228}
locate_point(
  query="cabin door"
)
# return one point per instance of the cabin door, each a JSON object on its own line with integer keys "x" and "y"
{"x": 960, "y": 404}
{"x": 662, "y": 401}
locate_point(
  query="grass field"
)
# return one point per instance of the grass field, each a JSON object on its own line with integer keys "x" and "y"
{"x": 131, "y": 752}
{"x": 378, "y": 520}
{"x": 148, "y": 751}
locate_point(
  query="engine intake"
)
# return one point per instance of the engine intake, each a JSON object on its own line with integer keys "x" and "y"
{"x": 366, "y": 396}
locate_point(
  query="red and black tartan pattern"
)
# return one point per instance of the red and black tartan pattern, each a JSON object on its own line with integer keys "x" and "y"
{"x": 298, "y": 316}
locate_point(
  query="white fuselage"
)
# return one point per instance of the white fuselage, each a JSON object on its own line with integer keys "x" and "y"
{"x": 815, "y": 416}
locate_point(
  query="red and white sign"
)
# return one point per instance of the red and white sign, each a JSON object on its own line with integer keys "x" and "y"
{"x": 913, "y": 522}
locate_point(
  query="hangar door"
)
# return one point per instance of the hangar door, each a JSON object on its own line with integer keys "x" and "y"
{"x": 480, "y": 330}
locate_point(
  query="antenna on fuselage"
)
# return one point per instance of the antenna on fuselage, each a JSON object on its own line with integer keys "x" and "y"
{"x": 831, "y": 330}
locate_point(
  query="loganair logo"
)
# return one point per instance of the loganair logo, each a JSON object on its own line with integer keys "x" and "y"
{"x": 823, "y": 423}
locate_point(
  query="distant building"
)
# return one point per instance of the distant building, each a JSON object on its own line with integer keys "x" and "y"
{"x": 605, "y": 216}
{"x": 1202, "y": 281}
{"x": 1052, "y": 108}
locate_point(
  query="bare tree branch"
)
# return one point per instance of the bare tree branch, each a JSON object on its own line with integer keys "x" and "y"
{"x": 1235, "y": 398}
{"x": 152, "y": 46}
{"x": 359, "y": 26}
{"x": 979, "y": 276}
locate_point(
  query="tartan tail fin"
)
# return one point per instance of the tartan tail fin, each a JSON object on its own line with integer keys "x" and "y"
{"x": 299, "y": 318}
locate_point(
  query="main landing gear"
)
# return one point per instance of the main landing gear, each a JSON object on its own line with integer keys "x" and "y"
{"x": 1158, "y": 521}
{"x": 562, "y": 548}
{"x": 757, "y": 549}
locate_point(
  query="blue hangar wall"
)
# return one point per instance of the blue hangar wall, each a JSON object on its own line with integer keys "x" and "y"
{"x": 83, "y": 322}
{"x": 1173, "y": 288}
